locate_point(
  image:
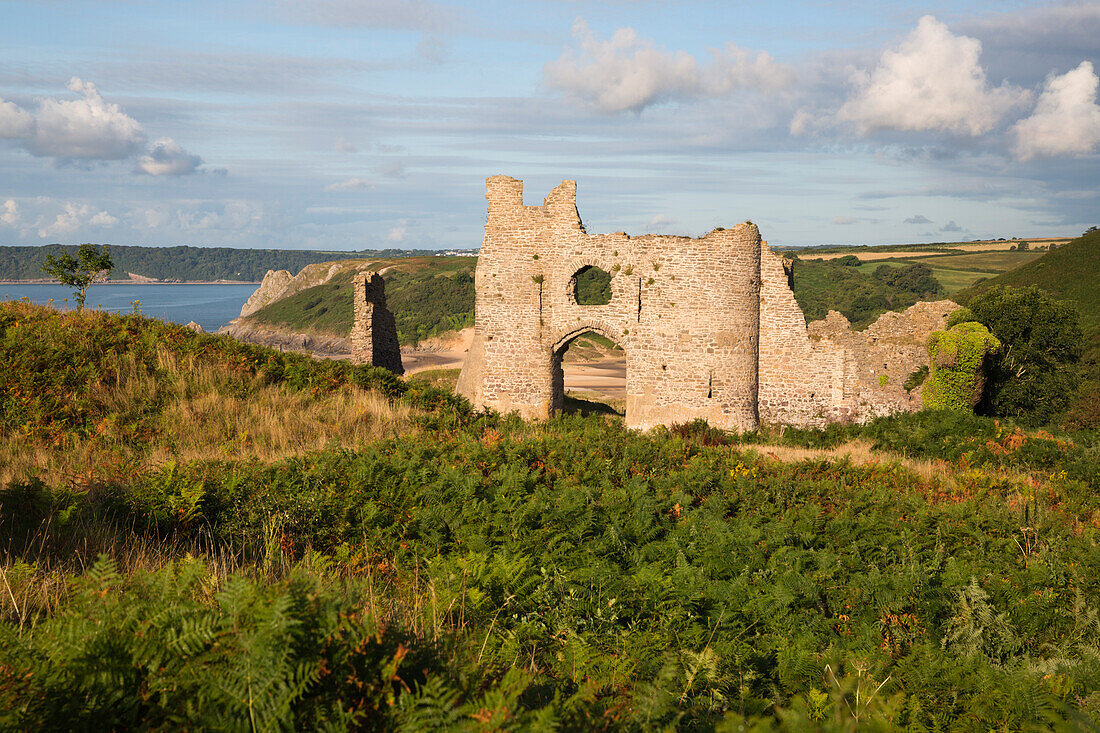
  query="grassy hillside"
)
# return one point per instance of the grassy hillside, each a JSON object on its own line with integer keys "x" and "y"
{"x": 181, "y": 262}
{"x": 479, "y": 572}
{"x": 90, "y": 392}
{"x": 428, "y": 296}
{"x": 1071, "y": 272}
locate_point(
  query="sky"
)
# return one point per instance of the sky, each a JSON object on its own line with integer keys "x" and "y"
{"x": 370, "y": 124}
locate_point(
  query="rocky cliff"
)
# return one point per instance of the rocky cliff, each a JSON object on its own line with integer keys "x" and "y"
{"x": 278, "y": 284}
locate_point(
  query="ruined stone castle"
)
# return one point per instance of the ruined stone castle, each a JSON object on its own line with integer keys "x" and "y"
{"x": 709, "y": 326}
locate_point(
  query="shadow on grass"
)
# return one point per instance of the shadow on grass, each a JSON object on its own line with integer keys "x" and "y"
{"x": 580, "y": 406}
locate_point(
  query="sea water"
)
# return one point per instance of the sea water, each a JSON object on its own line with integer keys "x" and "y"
{"x": 210, "y": 306}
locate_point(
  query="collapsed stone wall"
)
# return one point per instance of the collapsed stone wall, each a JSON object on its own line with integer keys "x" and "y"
{"x": 373, "y": 335}
{"x": 709, "y": 325}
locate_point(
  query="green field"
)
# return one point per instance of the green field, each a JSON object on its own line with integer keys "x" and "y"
{"x": 957, "y": 271}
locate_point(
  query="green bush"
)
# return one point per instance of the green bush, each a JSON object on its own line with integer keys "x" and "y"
{"x": 1032, "y": 379}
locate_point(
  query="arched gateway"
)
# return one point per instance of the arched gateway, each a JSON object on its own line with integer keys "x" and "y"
{"x": 709, "y": 326}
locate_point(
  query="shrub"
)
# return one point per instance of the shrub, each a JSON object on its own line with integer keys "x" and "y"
{"x": 1032, "y": 378}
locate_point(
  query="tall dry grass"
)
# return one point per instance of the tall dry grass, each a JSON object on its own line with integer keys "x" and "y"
{"x": 204, "y": 413}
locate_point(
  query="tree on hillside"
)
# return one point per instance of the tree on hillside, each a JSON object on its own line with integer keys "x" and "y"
{"x": 79, "y": 272}
{"x": 1032, "y": 378}
{"x": 917, "y": 279}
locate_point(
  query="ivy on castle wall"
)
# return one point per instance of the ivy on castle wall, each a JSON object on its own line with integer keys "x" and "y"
{"x": 955, "y": 377}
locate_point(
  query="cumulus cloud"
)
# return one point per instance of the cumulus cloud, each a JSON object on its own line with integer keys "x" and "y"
{"x": 951, "y": 226}
{"x": 933, "y": 81}
{"x": 1066, "y": 120}
{"x": 167, "y": 158}
{"x": 844, "y": 220}
{"x": 9, "y": 213}
{"x": 15, "y": 122}
{"x": 627, "y": 72}
{"x": 804, "y": 122}
{"x": 88, "y": 127}
{"x": 351, "y": 184}
{"x": 73, "y": 218}
{"x": 918, "y": 219}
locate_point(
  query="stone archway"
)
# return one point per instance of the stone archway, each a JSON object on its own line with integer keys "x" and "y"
{"x": 557, "y": 353}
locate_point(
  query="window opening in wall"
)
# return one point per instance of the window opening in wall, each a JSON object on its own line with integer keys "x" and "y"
{"x": 591, "y": 286}
{"x": 639, "y": 300}
{"x": 710, "y": 385}
{"x": 589, "y": 376}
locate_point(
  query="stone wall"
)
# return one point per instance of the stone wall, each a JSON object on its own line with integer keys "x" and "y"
{"x": 373, "y": 335}
{"x": 709, "y": 326}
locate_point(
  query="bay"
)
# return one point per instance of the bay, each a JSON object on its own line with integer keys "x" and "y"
{"x": 210, "y": 306}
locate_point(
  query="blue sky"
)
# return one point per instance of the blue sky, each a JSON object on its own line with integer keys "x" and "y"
{"x": 351, "y": 124}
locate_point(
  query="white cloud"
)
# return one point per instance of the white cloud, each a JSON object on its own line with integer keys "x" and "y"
{"x": 918, "y": 219}
{"x": 85, "y": 128}
{"x": 951, "y": 226}
{"x": 351, "y": 184}
{"x": 74, "y": 218}
{"x": 844, "y": 220}
{"x": 9, "y": 213}
{"x": 90, "y": 128}
{"x": 659, "y": 223}
{"x": 1066, "y": 120}
{"x": 397, "y": 233}
{"x": 167, "y": 158}
{"x": 803, "y": 122}
{"x": 933, "y": 81}
{"x": 233, "y": 215}
{"x": 15, "y": 122}
{"x": 626, "y": 72}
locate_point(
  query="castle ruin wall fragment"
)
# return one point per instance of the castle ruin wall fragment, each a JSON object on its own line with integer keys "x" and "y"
{"x": 374, "y": 331}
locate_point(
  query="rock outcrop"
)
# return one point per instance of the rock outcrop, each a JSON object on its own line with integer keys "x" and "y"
{"x": 279, "y": 284}
{"x": 271, "y": 289}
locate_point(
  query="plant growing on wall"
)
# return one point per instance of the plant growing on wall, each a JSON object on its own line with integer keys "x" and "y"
{"x": 955, "y": 377}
